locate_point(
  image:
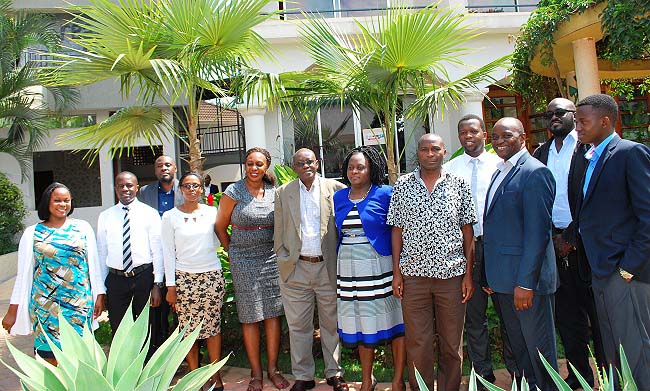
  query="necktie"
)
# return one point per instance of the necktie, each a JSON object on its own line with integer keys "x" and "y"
{"x": 127, "y": 262}
{"x": 474, "y": 189}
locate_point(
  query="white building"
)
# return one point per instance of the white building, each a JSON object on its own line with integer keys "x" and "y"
{"x": 226, "y": 134}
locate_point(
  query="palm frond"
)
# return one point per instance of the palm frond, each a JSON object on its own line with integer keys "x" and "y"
{"x": 119, "y": 132}
{"x": 450, "y": 94}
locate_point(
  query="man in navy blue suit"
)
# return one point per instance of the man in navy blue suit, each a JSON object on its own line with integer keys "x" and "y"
{"x": 614, "y": 226}
{"x": 518, "y": 251}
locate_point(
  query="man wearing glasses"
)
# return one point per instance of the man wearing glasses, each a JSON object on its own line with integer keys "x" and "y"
{"x": 305, "y": 243}
{"x": 563, "y": 154}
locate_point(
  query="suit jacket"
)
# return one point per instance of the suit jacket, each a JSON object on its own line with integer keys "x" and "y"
{"x": 214, "y": 189}
{"x": 148, "y": 194}
{"x": 287, "y": 232}
{"x": 614, "y": 216}
{"x": 518, "y": 250}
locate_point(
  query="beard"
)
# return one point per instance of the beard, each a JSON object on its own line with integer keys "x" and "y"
{"x": 166, "y": 179}
{"x": 560, "y": 132}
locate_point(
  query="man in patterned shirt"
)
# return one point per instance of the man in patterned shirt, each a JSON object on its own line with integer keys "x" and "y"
{"x": 432, "y": 213}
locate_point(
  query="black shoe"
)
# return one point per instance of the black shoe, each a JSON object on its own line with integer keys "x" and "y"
{"x": 303, "y": 385}
{"x": 489, "y": 377}
{"x": 337, "y": 383}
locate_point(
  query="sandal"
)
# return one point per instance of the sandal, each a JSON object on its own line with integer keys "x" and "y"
{"x": 255, "y": 384}
{"x": 278, "y": 380}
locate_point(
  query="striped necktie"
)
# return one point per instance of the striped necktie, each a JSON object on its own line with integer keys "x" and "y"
{"x": 478, "y": 229}
{"x": 126, "y": 242}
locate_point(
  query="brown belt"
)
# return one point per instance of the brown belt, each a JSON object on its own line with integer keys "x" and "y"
{"x": 311, "y": 259}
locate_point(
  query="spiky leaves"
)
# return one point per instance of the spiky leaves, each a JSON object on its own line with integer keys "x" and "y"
{"x": 168, "y": 51}
{"x": 404, "y": 51}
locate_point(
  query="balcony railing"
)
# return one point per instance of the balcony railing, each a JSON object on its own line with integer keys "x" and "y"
{"x": 218, "y": 140}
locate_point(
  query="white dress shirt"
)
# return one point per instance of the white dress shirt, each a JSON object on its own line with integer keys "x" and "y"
{"x": 145, "y": 237}
{"x": 310, "y": 219}
{"x": 189, "y": 242}
{"x": 560, "y": 163}
{"x": 487, "y": 164}
{"x": 504, "y": 166}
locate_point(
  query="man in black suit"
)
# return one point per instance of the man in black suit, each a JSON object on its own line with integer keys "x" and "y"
{"x": 209, "y": 187}
{"x": 614, "y": 224}
{"x": 518, "y": 251}
{"x": 563, "y": 154}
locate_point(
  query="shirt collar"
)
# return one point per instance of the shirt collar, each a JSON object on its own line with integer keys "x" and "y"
{"x": 598, "y": 149}
{"x": 571, "y": 138}
{"x": 161, "y": 190}
{"x": 482, "y": 157}
{"x": 313, "y": 185}
{"x": 130, "y": 206}
{"x": 512, "y": 161}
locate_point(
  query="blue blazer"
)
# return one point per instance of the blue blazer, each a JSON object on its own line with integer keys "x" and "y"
{"x": 372, "y": 212}
{"x": 517, "y": 227}
{"x": 614, "y": 216}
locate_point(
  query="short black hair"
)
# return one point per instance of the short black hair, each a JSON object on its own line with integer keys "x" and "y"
{"x": 376, "y": 160}
{"x": 44, "y": 204}
{"x": 604, "y": 104}
{"x": 468, "y": 117}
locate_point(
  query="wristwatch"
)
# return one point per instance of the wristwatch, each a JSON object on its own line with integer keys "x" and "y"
{"x": 625, "y": 274}
{"x": 160, "y": 285}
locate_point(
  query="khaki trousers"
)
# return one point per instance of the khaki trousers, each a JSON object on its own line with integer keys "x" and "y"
{"x": 310, "y": 284}
{"x": 428, "y": 304}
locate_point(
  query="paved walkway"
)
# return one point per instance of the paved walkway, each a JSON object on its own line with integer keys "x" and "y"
{"x": 235, "y": 379}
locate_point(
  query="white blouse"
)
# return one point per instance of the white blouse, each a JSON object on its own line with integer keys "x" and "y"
{"x": 189, "y": 242}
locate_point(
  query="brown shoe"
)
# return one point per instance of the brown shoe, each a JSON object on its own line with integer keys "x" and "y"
{"x": 337, "y": 383}
{"x": 303, "y": 385}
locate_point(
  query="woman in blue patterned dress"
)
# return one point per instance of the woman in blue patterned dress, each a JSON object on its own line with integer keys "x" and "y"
{"x": 58, "y": 273}
{"x": 368, "y": 313}
{"x": 249, "y": 206}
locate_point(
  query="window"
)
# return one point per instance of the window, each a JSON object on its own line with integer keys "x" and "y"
{"x": 634, "y": 123}
{"x": 140, "y": 161}
{"x": 69, "y": 168}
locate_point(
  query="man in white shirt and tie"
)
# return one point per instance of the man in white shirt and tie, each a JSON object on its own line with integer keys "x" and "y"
{"x": 476, "y": 166}
{"x": 130, "y": 250}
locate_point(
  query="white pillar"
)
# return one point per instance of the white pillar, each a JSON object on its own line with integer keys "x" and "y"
{"x": 254, "y": 125}
{"x": 105, "y": 169}
{"x": 586, "y": 65}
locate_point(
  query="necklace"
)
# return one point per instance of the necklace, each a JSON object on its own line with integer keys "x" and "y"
{"x": 362, "y": 198}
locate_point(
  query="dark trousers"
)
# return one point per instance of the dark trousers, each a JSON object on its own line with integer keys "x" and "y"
{"x": 121, "y": 291}
{"x": 624, "y": 314}
{"x": 434, "y": 304}
{"x": 476, "y": 325}
{"x": 529, "y": 331}
{"x": 159, "y": 320}
{"x": 575, "y": 318}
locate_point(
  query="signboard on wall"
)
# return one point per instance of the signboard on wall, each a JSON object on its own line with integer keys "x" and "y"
{"x": 374, "y": 136}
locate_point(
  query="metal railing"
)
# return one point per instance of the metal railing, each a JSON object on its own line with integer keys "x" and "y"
{"x": 216, "y": 140}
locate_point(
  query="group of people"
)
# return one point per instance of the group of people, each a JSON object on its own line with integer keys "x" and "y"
{"x": 404, "y": 265}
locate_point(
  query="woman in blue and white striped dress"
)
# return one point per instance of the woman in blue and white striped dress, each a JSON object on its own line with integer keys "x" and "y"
{"x": 368, "y": 313}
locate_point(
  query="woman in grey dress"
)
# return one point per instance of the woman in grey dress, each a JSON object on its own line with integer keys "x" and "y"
{"x": 247, "y": 205}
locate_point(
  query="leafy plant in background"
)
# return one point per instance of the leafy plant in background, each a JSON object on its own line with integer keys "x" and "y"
{"x": 82, "y": 364}
{"x": 460, "y": 151}
{"x": 284, "y": 174}
{"x": 12, "y": 211}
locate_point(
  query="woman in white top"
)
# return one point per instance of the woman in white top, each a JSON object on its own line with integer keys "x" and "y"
{"x": 195, "y": 284}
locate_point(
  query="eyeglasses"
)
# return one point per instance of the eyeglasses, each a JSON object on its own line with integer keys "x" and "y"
{"x": 557, "y": 113}
{"x": 191, "y": 186}
{"x": 309, "y": 162}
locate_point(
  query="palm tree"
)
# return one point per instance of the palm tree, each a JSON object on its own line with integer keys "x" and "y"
{"x": 22, "y": 108}
{"x": 404, "y": 51}
{"x": 166, "y": 50}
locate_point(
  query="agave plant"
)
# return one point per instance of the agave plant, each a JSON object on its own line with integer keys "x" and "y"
{"x": 606, "y": 381}
{"x": 82, "y": 364}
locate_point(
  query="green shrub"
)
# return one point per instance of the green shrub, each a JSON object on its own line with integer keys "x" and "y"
{"x": 12, "y": 212}
{"x": 82, "y": 364}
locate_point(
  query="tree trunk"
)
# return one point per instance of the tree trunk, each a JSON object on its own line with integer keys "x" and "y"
{"x": 389, "y": 135}
{"x": 195, "y": 158}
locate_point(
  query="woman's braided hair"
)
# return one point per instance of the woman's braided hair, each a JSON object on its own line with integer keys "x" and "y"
{"x": 376, "y": 161}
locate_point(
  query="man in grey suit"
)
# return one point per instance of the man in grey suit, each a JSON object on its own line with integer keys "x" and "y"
{"x": 518, "y": 251}
{"x": 305, "y": 242}
{"x": 161, "y": 195}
